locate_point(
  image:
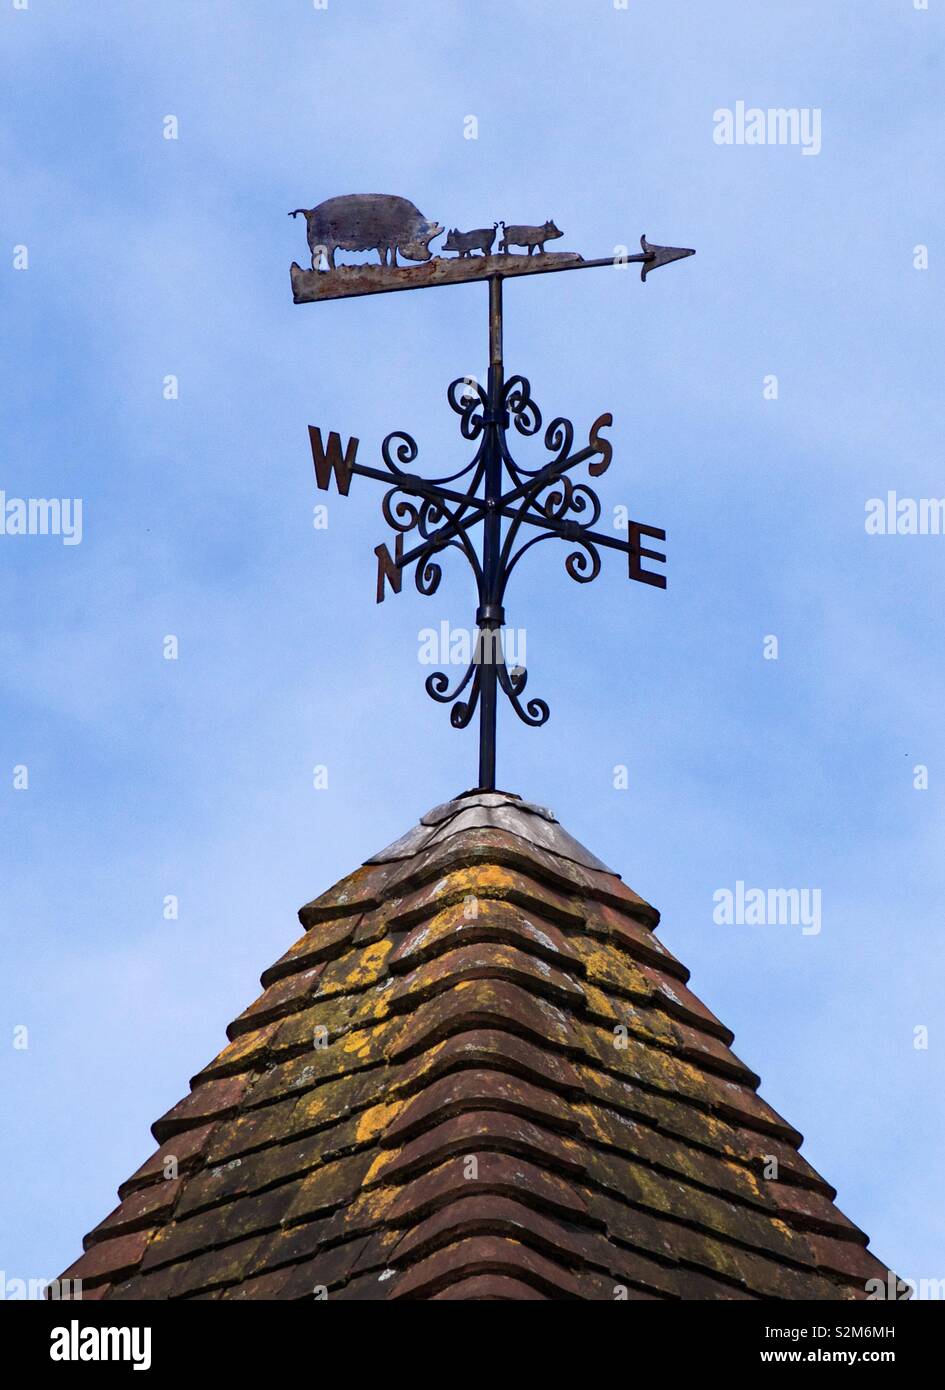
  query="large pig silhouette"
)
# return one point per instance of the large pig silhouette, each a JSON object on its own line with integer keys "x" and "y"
{"x": 366, "y": 222}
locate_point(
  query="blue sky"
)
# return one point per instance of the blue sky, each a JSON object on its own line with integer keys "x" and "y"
{"x": 147, "y": 777}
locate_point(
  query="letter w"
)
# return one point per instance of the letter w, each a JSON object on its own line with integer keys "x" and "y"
{"x": 331, "y": 460}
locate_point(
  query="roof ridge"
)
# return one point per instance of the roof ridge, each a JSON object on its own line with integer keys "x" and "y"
{"x": 533, "y": 824}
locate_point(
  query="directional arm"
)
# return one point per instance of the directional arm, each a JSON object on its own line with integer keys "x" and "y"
{"x": 347, "y": 281}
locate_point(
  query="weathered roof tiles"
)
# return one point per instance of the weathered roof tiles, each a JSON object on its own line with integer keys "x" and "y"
{"x": 477, "y": 1075}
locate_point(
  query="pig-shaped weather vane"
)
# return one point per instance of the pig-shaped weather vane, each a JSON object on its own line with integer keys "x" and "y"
{"x": 440, "y": 514}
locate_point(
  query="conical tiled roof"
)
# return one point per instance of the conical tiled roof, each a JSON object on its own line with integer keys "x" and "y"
{"x": 478, "y": 1074}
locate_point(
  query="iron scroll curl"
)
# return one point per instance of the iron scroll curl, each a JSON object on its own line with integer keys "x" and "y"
{"x": 543, "y": 496}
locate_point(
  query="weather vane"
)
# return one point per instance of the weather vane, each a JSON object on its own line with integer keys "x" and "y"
{"x": 492, "y": 489}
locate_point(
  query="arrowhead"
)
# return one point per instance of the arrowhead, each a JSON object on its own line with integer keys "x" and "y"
{"x": 660, "y": 255}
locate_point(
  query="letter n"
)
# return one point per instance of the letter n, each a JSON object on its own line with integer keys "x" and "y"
{"x": 388, "y": 569}
{"x": 332, "y": 460}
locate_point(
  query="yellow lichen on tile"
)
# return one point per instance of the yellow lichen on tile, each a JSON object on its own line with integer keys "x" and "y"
{"x": 376, "y": 1120}
{"x": 598, "y": 1003}
{"x": 382, "y": 1161}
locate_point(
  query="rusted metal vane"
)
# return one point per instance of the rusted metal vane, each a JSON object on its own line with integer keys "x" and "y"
{"x": 492, "y": 489}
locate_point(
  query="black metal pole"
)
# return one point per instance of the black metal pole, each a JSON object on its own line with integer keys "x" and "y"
{"x": 490, "y": 616}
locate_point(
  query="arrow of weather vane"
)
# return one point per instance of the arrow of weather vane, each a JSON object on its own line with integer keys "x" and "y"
{"x": 517, "y": 507}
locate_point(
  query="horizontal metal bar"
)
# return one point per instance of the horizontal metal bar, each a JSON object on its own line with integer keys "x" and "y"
{"x": 412, "y": 484}
{"x": 449, "y": 530}
{"x": 549, "y": 524}
{"x": 549, "y": 474}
